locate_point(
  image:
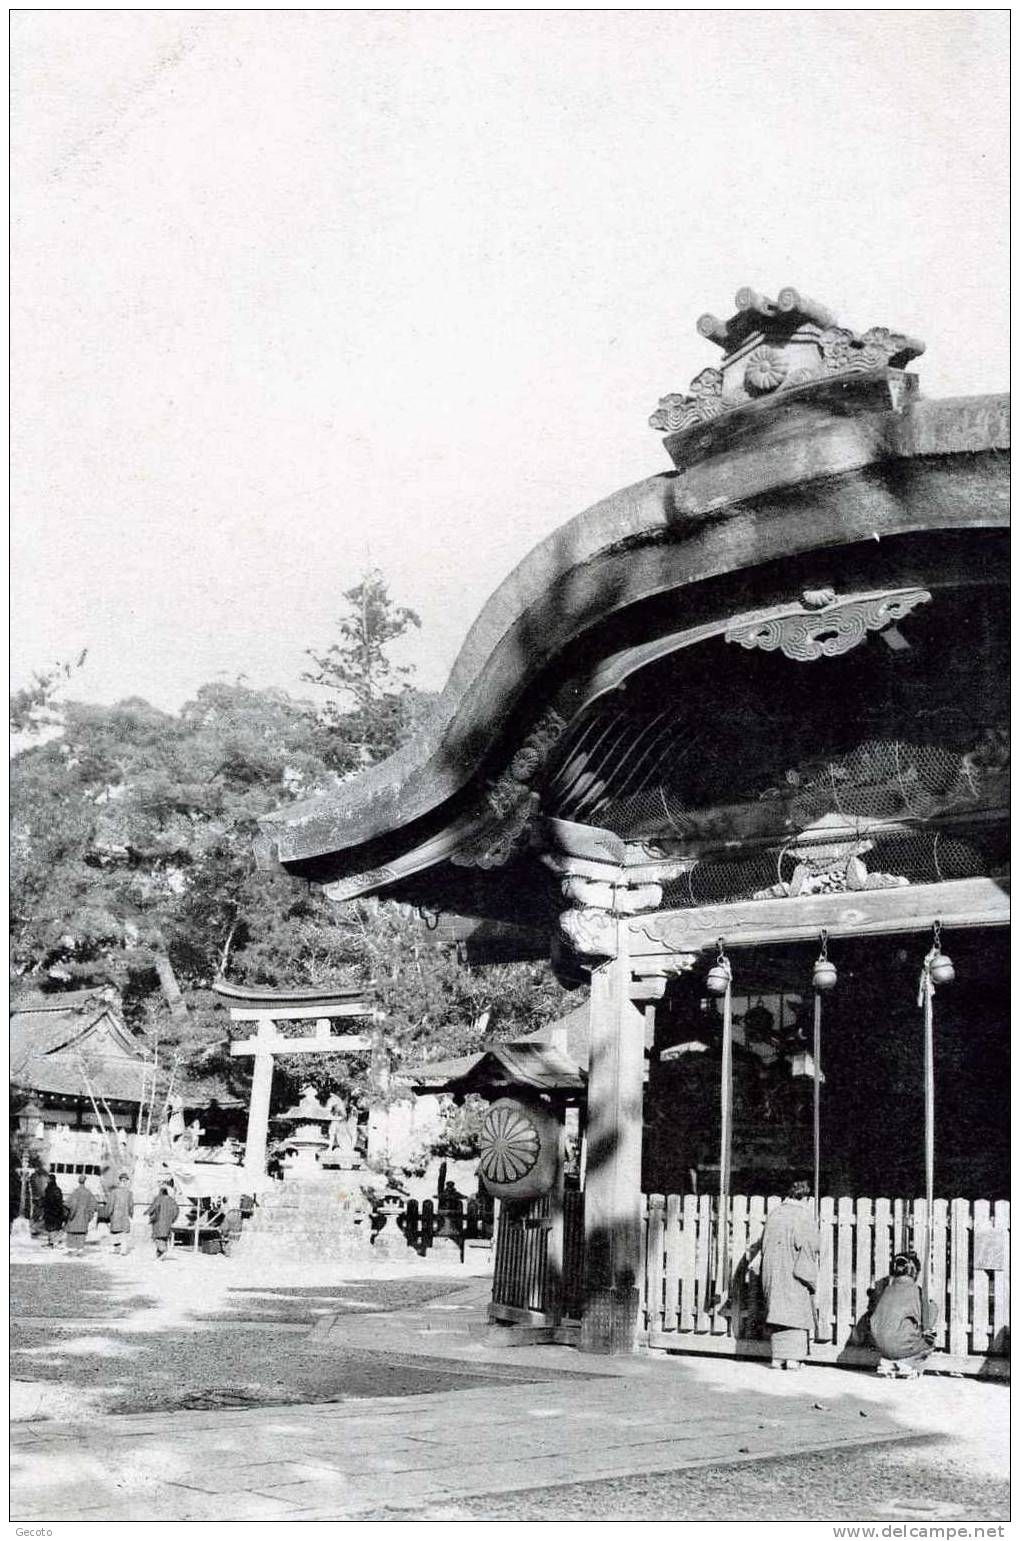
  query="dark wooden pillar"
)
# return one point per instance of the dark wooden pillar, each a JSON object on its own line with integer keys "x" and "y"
{"x": 612, "y": 1196}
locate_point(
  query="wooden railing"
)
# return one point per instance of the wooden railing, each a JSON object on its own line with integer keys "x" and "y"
{"x": 520, "y": 1265}
{"x": 522, "y": 1288}
{"x": 700, "y": 1294}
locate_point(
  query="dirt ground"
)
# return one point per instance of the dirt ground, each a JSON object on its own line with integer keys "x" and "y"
{"x": 127, "y": 1335}
{"x": 118, "y": 1335}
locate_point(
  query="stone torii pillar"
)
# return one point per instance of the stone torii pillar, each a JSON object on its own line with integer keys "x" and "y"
{"x": 266, "y": 1008}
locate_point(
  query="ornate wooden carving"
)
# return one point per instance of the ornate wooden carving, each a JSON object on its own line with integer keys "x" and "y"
{"x": 770, "y": 346}
{"x": 964, "y": 903}
{"x": 592, "y": 933}
{"x": 810, "y": 629}
{"x": 511, "y": 804}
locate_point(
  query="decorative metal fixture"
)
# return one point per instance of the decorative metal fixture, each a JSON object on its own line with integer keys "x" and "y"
{"x": 824, "y": 975}
{"x": 939, "y": 964}
{"x": 720, "y": 975}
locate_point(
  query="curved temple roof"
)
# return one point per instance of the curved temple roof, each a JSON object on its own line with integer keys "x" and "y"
{"x": 771, "y": 463}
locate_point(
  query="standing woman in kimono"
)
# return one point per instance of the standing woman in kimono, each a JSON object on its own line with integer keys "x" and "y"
{"x": 789, "y": 1274}
{"x": 53, "y": 1210}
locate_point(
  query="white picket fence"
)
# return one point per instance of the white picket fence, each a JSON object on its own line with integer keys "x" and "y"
{"x": 700, "y": 1295}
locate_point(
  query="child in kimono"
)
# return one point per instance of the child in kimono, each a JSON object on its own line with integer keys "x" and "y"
{"x": 902, "y": 1321}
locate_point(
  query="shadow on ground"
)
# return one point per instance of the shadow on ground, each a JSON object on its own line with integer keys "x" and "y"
{"x": 62, "y": 1290}
{"x": 281, "y": 1303}
{"x": 252, "y": 1352}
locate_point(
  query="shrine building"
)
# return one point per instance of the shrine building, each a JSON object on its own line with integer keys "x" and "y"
{"x": 731, "y": 749}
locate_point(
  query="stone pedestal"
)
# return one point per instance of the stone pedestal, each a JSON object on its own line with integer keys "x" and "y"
{"x": 389, "y": 1241}
{"x": 324, "y": 1218}
{"x": 444, "y": 1250}
{"x": 302, "y": 1160}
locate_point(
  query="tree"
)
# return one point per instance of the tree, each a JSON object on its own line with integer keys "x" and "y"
{"x": 132, "y": 863}
{"x": 33, "y": 707}
{"x": 132, "y": 836}
{"x": 371, "y": 698}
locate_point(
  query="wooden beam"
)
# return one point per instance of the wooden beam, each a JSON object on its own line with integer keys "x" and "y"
{"x": 299, "y": 1013}
{"x": 652, "y": 988}
{"x": 343, "y": 1043}
{"x": 983, "y": 1366}
{"x": 871, "y": 912}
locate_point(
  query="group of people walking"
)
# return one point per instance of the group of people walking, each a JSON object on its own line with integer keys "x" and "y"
{"x": 73, "y": 1216}
{"x": 901, "y": 1320}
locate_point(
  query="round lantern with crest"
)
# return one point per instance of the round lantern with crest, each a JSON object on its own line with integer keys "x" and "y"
{"x": 519, "y": 1146}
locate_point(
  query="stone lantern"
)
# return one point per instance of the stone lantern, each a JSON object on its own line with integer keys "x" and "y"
{"x": 308, "y": 1139}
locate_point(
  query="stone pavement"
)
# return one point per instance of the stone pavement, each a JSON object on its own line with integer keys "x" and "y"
{"x": 339, "y": 1460}
{"x": 598, "y": 1419}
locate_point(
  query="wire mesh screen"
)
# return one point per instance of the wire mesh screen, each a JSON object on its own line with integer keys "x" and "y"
{"x": 645, "y": 775}
{"x": 882, "y": 861}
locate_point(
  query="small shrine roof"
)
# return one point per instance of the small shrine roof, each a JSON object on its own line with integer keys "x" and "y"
{"x": 53, "y": 1036}
{"x": 554, "y": 1058}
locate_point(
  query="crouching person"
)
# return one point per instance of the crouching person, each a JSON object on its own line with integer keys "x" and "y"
{"x": 903, "y": 1321}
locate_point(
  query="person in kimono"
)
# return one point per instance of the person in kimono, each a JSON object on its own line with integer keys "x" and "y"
{"x": 122, "y": 1206}
{"x": 162, "y": 1212}
{"x": 789, "y": 1275}
{"x": 81, "y": 1207}
{"x": 902, "y": 1320}
{"x": 52, "y": 1210}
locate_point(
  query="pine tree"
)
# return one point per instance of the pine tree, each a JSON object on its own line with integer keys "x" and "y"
{"x": 371, "y": 698}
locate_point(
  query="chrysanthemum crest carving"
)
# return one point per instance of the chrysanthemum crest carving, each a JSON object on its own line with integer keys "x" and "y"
{"x": 773, "y": 346}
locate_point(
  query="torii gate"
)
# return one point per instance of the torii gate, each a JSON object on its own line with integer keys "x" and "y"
{"x": 268, "y": 1007}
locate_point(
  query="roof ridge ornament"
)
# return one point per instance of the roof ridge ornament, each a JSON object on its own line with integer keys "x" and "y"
{"x": 771, "y": 346}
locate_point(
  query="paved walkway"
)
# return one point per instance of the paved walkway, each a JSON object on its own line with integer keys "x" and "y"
{"x": 340, "y": 1460}
{"x": 597, "y": 1419}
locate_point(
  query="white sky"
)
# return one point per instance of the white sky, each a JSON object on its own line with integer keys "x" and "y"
{"x": 293, "y": 287}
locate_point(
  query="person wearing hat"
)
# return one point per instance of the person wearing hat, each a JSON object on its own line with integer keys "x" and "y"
{"x": 902, "y": 1320}
{"x": 122, "y": 1207}
{"x": 790, "y": 1245}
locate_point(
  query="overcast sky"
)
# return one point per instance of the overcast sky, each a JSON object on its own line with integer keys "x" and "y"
{"x": 293, "y": 291}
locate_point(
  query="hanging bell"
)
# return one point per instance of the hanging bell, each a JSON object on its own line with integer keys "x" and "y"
{"x": 718, "y": 979}
{"x": 824, "y": 976}
{"x": 941, "y": 970}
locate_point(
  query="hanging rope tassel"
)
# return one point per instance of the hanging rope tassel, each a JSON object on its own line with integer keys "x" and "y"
{"x": 823, "y": 979}
{"x": 720, "y": 982}
{"x": 725, "y": 1145}
{"x": 936, "y": 969}
{"x": 816, "y": 1050}
{"x": 925, "y": 999}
